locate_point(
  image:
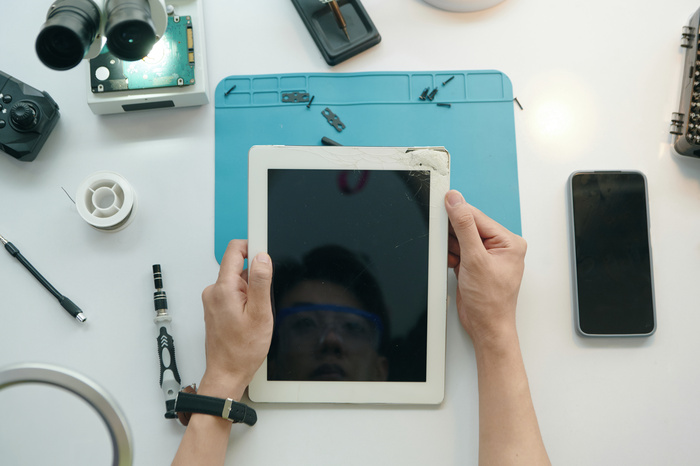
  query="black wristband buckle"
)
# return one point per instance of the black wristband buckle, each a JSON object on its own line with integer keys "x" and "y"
{"x": 224, "y": 407}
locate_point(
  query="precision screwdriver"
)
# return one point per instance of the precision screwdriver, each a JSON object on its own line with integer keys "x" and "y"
{"x": 169, "y": 375}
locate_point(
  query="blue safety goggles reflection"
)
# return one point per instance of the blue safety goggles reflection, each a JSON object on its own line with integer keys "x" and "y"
{"x": 288, "y": 311}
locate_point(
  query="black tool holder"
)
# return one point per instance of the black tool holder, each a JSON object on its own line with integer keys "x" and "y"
{"x": 329, "y": 37}
{"x": 685, "y": 124}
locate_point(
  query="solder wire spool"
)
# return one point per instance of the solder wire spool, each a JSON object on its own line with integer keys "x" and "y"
{"x": 106, "y": 201}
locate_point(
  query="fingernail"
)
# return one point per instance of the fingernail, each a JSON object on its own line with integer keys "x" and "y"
{"x": 262, "y": 257}
{"x": 454, "y": 198}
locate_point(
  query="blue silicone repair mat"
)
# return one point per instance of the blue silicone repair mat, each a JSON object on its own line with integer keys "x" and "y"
{"x": 377, "y": 109}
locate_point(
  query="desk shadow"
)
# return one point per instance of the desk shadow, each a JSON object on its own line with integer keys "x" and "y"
{"x": 689, "y": 167}
{"x": 157, "y": 124}
{"x": 373, "y": 407}
{"x": 470, "y": 16}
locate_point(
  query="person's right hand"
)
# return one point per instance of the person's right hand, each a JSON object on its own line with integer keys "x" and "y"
{"x": 488, "y": 261}
{"x": 238, "y": 321}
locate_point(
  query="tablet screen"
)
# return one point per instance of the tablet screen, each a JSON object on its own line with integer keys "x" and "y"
{"x": 350, "y": 286}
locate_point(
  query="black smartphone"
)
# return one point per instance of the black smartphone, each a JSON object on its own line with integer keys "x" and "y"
{"x": 611, "y": 254}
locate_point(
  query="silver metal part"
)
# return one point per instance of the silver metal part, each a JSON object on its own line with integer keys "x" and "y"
{"x": 677, "y": 123}
{"x": 227, "y": 408}
{"x": 86, "y": 389}
{"x": 80, "y": 317}
{"x": 3, "y": 240}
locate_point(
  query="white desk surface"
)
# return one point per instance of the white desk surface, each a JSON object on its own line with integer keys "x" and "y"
{"x": 598, "y": 81}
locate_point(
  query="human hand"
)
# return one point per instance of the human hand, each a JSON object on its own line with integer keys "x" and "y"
{"x": 488, "y": 261}
{"x": 238, "y": 321}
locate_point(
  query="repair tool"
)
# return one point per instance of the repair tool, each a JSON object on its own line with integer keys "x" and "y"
{"x": 340, "y": 30}
{"x": 685, "y": 123}
{"x": 338, "y": 16}
{"x": 169, "y": 376}
{"x": 67, "y": 304}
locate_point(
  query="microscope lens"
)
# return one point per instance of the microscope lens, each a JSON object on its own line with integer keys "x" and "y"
{"x": 130, "y": 31}
{"x": 70, "y": 27}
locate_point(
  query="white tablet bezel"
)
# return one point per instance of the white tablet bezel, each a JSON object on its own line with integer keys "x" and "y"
{"x": 437, "y": 161}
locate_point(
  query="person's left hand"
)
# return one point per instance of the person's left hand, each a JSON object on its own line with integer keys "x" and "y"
{"x": 238, "y": 321}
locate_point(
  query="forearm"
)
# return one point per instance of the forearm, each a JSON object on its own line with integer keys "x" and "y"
{"x": 206, "y": 438}
{"x": 508, "y": 429}
{"x": 205, "y": 441}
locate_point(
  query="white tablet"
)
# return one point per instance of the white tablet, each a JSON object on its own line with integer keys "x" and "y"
{"x": 358, "y": 240}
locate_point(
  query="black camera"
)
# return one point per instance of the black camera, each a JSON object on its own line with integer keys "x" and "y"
{"x": 27, "y": 116}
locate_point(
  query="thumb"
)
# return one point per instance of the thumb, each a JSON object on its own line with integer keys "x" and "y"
{"x": 463, "y": 222}
{"x": 259, "y": 284}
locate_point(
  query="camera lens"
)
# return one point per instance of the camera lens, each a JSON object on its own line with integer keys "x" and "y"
{"x": 130, "y": 31}
{"x": 70, "y": 27}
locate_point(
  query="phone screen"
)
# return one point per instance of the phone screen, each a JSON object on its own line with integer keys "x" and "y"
{"x": 614, "y": 283}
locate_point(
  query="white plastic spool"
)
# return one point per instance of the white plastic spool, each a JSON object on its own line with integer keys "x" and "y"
{"x": 106, "y": 201}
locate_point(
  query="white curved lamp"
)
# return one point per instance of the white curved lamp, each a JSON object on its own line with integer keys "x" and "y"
{"x": 85, "y": 389}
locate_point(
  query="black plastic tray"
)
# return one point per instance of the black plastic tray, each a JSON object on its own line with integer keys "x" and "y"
{"x": 329, "y": 38}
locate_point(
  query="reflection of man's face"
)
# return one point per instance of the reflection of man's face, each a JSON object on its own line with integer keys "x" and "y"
{"x": 337, "y": 342}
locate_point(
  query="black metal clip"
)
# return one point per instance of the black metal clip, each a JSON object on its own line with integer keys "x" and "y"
{"x": 333, "y": 119}
{"x": 687, "y": 37}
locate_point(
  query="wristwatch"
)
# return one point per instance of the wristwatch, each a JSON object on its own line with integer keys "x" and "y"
{"x": 188, "y": 402}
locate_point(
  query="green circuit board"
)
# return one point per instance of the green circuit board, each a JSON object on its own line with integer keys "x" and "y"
{"x": 169, "y": 64}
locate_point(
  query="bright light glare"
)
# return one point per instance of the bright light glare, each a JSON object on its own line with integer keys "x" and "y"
{"x": 555, "y": 119}
{"x": 562, "y": 115}
{"x": 157, "y": 53}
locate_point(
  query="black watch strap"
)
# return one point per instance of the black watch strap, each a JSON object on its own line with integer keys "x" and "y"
{"x": 223, "y": 407}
